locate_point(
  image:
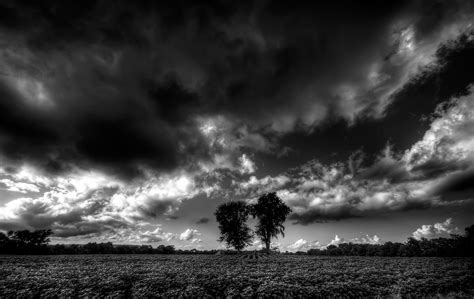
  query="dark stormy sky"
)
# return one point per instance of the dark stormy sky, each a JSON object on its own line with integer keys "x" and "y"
{"x": 130, "y": 122}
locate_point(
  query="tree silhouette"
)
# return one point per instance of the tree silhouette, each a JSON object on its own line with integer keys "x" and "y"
{"x": 24, "y": 241}
{"x": 271, "y": 212}
{"x": 232, "y": 218}
{"x": 33, "y": 239}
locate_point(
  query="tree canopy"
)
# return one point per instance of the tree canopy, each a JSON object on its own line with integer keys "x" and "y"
{"x": 24, "y": 241}
{"x": 232, "y": 218}
{"x": 271, "y": 212}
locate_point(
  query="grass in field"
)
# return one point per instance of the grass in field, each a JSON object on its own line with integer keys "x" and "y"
{"x": 201, "y": 276}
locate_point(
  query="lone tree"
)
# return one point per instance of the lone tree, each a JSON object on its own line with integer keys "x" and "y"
{"x": 232, "y": 218}
{"x": 271, "y": 212}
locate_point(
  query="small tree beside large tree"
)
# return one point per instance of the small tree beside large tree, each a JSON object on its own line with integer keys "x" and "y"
{"x": 232, "y": 218}
{"x": 271, "y": 213}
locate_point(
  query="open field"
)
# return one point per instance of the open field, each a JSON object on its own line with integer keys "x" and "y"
{"x": 223, "y": 275}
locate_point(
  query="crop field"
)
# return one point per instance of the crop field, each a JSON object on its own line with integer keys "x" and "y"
{"x": 229, "y": 276}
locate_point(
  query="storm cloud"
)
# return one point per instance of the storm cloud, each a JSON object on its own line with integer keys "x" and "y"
{"x": 76, "y": 92}
{"x": 114, "y": 114}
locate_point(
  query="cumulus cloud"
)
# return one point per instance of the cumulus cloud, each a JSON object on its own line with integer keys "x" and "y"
{"x": 246, "y": 165}
{"x": 256, "y": 186}
{"x": 366, "y": 240}
{"x": 447, "y": 145}
{"x": 190, "y": 235}
{"x": 87, "y": 203}
{"x": 303, "y": 245}
{"x": 156, "y": 235}
{"x": 226, "y": 139}
{"x": 135, "y": 234}
{"x": 19, "y": 186}
{"x": 440, "y": 229}
{"x": 336, "y": 241}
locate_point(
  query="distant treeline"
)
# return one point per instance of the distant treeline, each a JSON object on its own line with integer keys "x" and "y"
{"x": 37, "y": 242}
{"x": 457, "y": 245}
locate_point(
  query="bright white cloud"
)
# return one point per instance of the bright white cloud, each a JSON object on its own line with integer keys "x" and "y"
{"x": 258, "y": 186}
{"x": 246, "y": 165}
{"x": 88, "y": 203}
{"x": 26, "y": 174}
{"x": 440, "y": 229}
{"x": 19, "y": 186}
{"x": 190, "y": 235}
{"x": 450, "y": 138}
{"x": 135, "y": 234}
{"x": 366, "y": 240}
{"x": 256, "y": 244}
{"x": 303, "y": 245}
{"x": 336, "y": 241}
{"x": 226, "y": 140}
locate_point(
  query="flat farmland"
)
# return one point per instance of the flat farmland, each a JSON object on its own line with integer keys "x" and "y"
{"x": 234, "y": 276}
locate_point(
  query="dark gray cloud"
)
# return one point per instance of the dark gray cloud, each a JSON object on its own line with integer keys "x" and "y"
{"x": 87, "y": 228}
{"x": 76, "y": 91}
{"x": 456, "y": 186}
{"x": 434, "y": 168}
{"x": 203, "y": 220}
{"x": 155, "y": 208}
{"x": 314, "y": 216}
{"x": 386, "y": 168}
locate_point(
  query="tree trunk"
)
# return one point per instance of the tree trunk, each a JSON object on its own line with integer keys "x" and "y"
{"x": 267, "y": 243}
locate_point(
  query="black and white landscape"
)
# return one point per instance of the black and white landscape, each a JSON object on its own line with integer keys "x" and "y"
{"x": 236, "y": 148}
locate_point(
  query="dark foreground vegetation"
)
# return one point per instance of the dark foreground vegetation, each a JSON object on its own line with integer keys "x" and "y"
{"x": 37, "y": 242}
{"x": 224, "y": 276}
